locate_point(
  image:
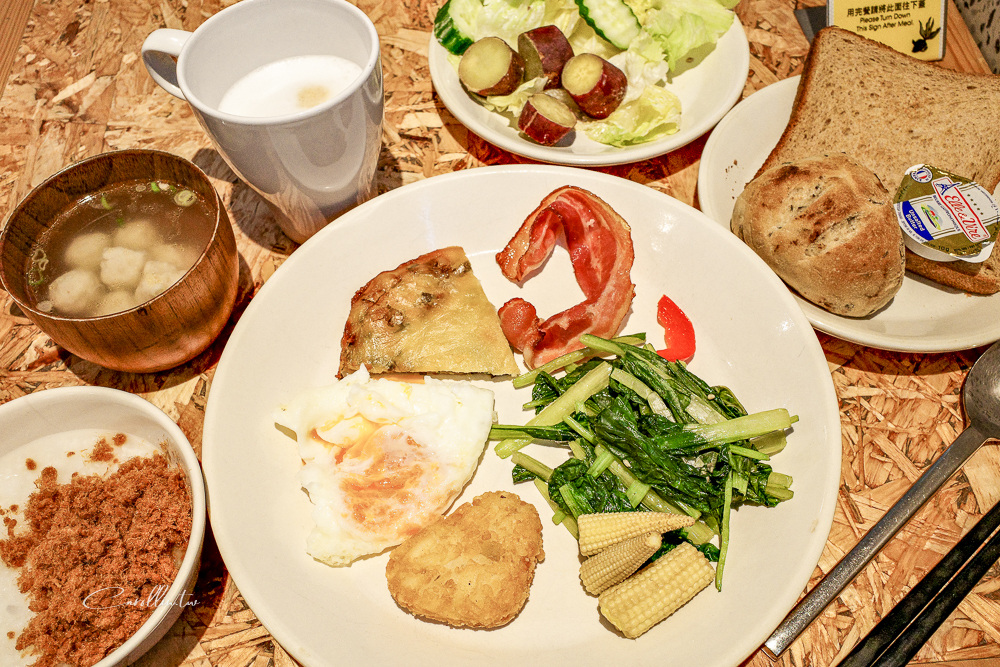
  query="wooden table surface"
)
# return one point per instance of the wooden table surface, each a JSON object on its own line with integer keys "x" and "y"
{"x": 75, "y": 86}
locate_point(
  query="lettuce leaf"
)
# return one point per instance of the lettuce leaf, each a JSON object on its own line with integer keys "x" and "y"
{"x": 563, "y": 14}
{"x": 514, "y": 102}
{"x": 680, "y": 26}
{"x": 644, "y": 64}
{"x": 641, "y": 8}
{"x": 654, "y": 114}
{"x": 583, "y": 39}
{"x": 507, "y": 19}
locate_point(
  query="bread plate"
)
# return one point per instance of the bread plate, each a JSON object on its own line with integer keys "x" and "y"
{"x": 923, "y": 316}
{"x": 751, "y": 337}
{"x": 707, "y": 91}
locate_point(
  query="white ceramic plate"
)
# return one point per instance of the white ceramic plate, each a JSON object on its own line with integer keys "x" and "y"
{"x": 706, "y": 91}
{"x": 923, "y": 316}
{"x": 751, "y": 337}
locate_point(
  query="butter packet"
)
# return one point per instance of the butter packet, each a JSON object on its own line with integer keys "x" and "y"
{"x": 945, "y": 217}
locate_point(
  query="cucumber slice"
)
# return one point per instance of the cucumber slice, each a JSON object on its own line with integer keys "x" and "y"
{"x": 611, "y": 19}
{"x": 454, "y": 24}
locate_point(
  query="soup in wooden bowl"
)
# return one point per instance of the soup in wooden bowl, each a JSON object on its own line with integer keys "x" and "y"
{"x": 126, "y": 259}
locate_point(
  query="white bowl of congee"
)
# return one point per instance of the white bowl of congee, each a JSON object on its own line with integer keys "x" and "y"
{"x": 103, "y": 504}
{"x": 126, "y": 259}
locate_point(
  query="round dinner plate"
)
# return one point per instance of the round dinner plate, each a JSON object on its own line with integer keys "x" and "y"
{"x": 923, "y": 316}
{"x": 707, "y": 91}
{"x": 751, "y": 336}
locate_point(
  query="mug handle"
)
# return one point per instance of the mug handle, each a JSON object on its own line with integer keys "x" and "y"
{"x": 159, "y": 54}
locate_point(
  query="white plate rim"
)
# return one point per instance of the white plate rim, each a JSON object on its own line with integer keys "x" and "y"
{"x": 864, "y": 331}
{"x": 811, "y": 353}
{"x": 468, "y": 112}
{"x": 708, "y": 180}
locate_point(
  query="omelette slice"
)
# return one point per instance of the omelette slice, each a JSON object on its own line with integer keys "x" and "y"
{"x": 429, "y": 315}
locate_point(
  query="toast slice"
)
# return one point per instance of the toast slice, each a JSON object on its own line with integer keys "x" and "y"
{"x": 890, "y": 111}
{"x": 428, "y": 315}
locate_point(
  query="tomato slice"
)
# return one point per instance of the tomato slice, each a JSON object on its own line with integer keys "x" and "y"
{"x": 678, "y": 332}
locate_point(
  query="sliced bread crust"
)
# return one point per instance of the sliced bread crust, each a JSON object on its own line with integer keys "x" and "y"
{"x": 982, "y": 278}
{"x": 890, "y": 111}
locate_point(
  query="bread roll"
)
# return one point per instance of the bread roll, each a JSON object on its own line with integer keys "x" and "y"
{"x": 890, "y": 111}
{"x": 826, "y": 226}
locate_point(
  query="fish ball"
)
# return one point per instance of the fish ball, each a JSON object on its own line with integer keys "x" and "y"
{"x": 156, "y": 278}
{"x": 84, "y": 252}
{"x": 138, "y": 234}
{"x": 182, "y": 257}
{"x": 121, "y": 268}
{"x": 115, "y": 302}
{"x": 75, "y": 292}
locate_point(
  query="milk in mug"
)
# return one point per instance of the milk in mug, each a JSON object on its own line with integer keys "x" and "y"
{"x": 289, "y": 86}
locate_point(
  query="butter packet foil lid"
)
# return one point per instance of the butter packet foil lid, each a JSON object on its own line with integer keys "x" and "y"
{"x": 945, "y": 217}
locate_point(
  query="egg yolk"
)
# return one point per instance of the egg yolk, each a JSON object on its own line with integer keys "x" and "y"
{"x": 381, "y": 477}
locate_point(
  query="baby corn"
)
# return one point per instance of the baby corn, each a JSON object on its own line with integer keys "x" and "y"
{"x": 599, "y": 531}
{"x": 617, "y": 562}
{"x": 645, "y": 599}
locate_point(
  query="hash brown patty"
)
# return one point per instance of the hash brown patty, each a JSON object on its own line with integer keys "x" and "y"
{"x": 472, "y": 568}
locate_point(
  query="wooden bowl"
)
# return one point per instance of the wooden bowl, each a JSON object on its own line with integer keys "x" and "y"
{"x": 166, "y": 331}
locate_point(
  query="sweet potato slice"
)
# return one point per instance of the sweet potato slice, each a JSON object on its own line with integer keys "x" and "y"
{"x": 545, "y": 51}
{"x": 596, "y": 85}
{"x": 491, "y": 67}
{"x": 546, "y": 119}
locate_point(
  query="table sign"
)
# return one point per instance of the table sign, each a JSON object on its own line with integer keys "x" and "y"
{"x": 914, "y": 27}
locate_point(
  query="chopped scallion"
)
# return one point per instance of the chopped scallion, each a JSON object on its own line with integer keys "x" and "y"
{"x": 185, "y": 198}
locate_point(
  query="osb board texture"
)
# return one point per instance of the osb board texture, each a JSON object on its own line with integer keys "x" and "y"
{"x": 77, "y": 87}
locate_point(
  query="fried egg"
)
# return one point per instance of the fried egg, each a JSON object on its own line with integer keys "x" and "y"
{"x": 383, "y": 458}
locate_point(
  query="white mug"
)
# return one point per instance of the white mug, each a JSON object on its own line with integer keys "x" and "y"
{"x": 310, "y": 165}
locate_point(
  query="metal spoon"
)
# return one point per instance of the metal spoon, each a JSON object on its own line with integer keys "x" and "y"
{"x": 981, "y": 397}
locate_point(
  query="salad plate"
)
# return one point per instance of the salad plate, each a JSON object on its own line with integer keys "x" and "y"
{"x": 751, "y": 337}
{"x": 923, "y": 316}
{"x": 706, "y": 91}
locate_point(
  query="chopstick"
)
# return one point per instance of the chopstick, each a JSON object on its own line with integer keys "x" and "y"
{"x": 851, "y": 565}
{"x": 908, "y": 626}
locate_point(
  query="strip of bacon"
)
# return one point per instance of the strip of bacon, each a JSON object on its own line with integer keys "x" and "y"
{"x": 600, "y": 248}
